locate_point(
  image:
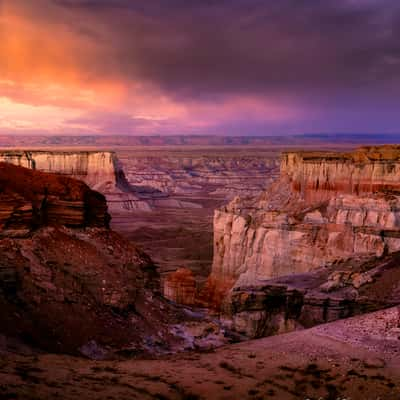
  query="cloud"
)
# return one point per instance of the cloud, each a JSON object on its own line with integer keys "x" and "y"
{"x": 282, "y": 65}
{"x": 205, "y": 49}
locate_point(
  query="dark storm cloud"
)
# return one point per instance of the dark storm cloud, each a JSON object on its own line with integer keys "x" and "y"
{"x": 202, "y": 66}
{"x": 204, "y": 49}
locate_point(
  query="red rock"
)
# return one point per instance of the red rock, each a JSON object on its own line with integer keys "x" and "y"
{"x": 326, "y": 212}
{"x": 180, "y": 287}
{"x": 30, "y": 198}
{"x": 325, "y": 207}
{"x": 69, "y": 282}
{"x": 214, "y": 292}
{"x": 320, "y": 176}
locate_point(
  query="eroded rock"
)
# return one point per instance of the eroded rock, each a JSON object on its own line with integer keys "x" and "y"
{"x": 329, "y": 222}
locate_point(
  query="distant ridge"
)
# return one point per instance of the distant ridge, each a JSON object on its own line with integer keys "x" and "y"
{"x": 199, "y": 140}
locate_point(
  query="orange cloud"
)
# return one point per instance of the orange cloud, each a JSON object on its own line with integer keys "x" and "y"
{"x": 65, "y": 69}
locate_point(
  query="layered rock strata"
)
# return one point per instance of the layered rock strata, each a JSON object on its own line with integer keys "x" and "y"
{"x": 310, "y": 217}
{"x": 301, "y": 301}
{"x": 101, "y": 170}
{"x": 175, "y": 179}
{"x": 30, "y": 199}
{"x": 94, "y": 168}
{"x": 180, "y": 287}
{"x": 320, "y": 176}
{"x": 325, "y": 209}
{"x": 67, "y": 282}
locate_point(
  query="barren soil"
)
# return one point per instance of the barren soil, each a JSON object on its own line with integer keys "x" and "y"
{"x": 358, "y": 358}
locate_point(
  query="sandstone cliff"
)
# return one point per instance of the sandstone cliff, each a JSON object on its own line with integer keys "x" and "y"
{"x": 101, "y": 170}
{"x": 94, "y": 168}
{"x": 325, "y": 209}
{"x": 319, "y": 176}
{"x": 322, "y": 209}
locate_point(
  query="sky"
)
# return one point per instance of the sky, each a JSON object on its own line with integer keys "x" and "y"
{"x": 225, "y": 67}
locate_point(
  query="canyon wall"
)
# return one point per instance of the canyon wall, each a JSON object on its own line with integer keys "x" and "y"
{"x": 324, "y": 207}
{"x": 319, "y": 176}
{"x": 325, "y": 211}
{"x": 168, "y": 178}
{"x": 101, "y": 170}
{"x": 94, "y": 168}
{"x": 146, "y": 180}
{"x": 183, "y": 187}
{"x": 268, "y": 244}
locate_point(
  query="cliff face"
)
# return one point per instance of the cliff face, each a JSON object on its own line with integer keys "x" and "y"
{"x": 176, "y": 176}
{"x": 298, "y": 301}
{"x": 324, "y": 210}
{"x": 268, "y": 244}
{"x": 101, "y": 170}
{"x": 94, "y": 168}
{"x": 319, "y": 176}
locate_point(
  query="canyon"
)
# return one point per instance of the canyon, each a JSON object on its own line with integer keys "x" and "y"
{"x": 70, "y": 284}
{"x": 301, "y": 243}
{"x": 160, "y": 197}
{"x": 315, "y": 243}
{"x": 184, "y": 186}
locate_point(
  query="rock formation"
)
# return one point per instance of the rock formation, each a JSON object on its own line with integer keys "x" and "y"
{"x": 152, "y": 181}
{"x": 326, "y": 209}
{"x": 320, "y": 176}
{"x": 95, "y": 168}
{"x": 67, "y": 282}
{"x": 180, "y": 287}
{"x": 312, "y": 216}
{"x": 184, "y": 187}
{"x": 101, "y": 170}
{"x": 30, "y": 199}
{"x": 172, "y": 177}
{"x": 300, "y": 301}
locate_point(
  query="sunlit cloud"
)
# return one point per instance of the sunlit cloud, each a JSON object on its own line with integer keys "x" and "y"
{"x": 242, "y": 67}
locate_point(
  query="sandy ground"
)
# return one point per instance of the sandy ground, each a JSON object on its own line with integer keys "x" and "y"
{"x": 357, "y": 358}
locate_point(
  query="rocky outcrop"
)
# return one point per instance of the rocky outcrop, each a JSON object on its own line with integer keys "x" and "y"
{"x": 320, "y": 176}
{"x": 324, "y": 210}
{"x": 95, "y": 168}
{"x": 309, "y": 218}
{"x": 272, "y": 243}
{"x": 301, "y": 301}
{"x": 101, "y": 170}
{"x": 180, "y": 287}
{"x": 29, "y": 199}
{"x": 67, "y": 282}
